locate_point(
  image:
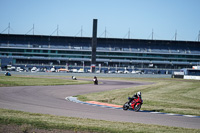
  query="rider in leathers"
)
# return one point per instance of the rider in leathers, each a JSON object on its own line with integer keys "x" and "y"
{"x": 138, "y": 94}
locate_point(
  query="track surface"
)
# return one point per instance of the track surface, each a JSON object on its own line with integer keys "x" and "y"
{"x": 51, "y": 100}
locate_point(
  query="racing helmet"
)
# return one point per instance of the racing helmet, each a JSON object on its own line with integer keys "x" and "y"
{"x": 139, "y": 94}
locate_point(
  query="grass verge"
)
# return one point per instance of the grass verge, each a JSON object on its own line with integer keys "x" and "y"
{"x": 6, "y": 81}
{"x": 31, "y": 121}
{"x": 164, "y": 95}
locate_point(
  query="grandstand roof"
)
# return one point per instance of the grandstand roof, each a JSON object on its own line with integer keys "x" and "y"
{"x": 102, "y": 42}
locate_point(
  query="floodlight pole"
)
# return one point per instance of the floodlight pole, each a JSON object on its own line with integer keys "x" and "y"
{"x": 9, "y": 28}
{"x": 129, "y": 33}
{"x": 175, "y": 35}
{"x": 33, "y": 29}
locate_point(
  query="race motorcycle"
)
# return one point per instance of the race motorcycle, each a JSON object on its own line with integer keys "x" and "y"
{"x": 135, "y": 104}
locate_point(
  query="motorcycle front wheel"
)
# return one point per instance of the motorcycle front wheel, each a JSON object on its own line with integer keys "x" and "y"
{"x": 137, "y": 107}
{"x": 126, "y": 106}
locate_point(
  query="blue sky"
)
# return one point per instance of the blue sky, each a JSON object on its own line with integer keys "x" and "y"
{"x": 164, "y": 17}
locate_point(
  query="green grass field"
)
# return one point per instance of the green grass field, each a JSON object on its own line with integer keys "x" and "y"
{"x": 29, "y": 122}
{"x": 165, "y": 95}
{"x": 38, "y": 81}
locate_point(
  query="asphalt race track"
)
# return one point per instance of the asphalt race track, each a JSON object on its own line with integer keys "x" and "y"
{"x": 51, "y": 100}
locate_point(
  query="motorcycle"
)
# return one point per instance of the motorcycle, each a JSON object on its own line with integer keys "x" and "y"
{"x": 135, "y": 104}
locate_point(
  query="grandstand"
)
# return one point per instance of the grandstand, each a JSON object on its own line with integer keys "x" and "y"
{"x": 112, "y": 53}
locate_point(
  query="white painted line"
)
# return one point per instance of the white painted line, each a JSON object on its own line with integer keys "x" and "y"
{"x": 189, "y": 115}
{"x": 170, "y": 114}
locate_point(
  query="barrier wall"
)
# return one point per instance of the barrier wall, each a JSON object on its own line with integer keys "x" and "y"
{"x": 191, "y": 77}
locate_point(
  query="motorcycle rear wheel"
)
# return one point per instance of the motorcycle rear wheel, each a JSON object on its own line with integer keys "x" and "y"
{"x": 126, "y": 106}
{"x": 137, "y": 107}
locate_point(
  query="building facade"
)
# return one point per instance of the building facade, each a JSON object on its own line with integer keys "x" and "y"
{"x": 111, "y": 53}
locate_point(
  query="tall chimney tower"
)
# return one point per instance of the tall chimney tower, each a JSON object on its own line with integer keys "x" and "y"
{"x": 94, "y": 45}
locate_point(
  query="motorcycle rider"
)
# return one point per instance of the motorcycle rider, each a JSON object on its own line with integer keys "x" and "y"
{"x": 74, "y": 78}
{"x": 95, "y": 80}
{"x": 138, "y": 94}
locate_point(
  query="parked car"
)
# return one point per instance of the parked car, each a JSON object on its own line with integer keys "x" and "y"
{"x": 111, "y": 71}
{"x": 81, "y": 70}
{"x": 118, "y": 71}
{"x": 74, "y": 70}
{"x": 126, "y": 71}
{"x": 136, "y": 72}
